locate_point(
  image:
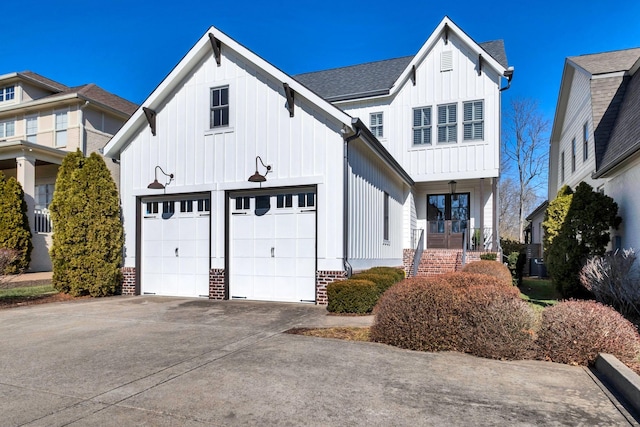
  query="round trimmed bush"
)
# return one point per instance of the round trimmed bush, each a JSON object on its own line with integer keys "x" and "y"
{"x": 398, "y": 273}
{"x": 382, "y": 281}
{"x": 419, "y": 313}
{"x": 574, "y": 332}
{"x": 490, "y": 268}
{"x": 471, "y": 313}
{"x": 352, "y": 296}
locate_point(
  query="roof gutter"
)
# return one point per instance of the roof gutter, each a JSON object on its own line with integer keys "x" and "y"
{"x": 611, "y": 166}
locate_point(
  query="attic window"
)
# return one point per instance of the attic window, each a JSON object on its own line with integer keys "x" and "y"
{"x": 446, "y": 60}
{"x": 7, "y": 93}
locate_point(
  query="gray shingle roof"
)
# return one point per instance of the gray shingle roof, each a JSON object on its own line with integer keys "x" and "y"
{"x": 372, "y": 78}
{"x": 30, "y": 75}
{"x": 625, "y": 135}
{"x": 607, "y": 62}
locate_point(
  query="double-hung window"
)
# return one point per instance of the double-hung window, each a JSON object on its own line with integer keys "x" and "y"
{"x": 447, "y": 123}
{"x": 375, "y": 124}
{"x": 562, "y": 167}
{"x": 385, "y": 226}
{"x": 573, "y": 155}
{"x": 7, "y": 128}
{"x": 61, "y": 128}
{"x": 32, "y": 128}
{"x": 219, "y": 107}
{"x": 473, "y": 121}
{"x": 422, "y": 126}
{"x": 585, "y": 142}
{"x": 7, "y": 93}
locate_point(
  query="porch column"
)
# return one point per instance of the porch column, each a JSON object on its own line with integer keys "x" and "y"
{"x": 26, "y": 175}
{"x": 495, "y": 224}
{"x": 482, "y": 209}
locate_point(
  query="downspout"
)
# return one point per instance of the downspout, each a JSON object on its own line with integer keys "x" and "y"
{"x": 83, "y": 136}
{"x": 345, "y": 202}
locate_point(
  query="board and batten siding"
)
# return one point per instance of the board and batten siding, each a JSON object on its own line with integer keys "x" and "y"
{"x": 303, "y": 150}
{"x": 461, "y": 160}
{"x": 368, "y": 183}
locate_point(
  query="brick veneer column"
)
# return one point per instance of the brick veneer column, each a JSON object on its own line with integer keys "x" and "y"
{"x": 216, "y": 283}
{"x": 323, "y": 278}
{"x": 128, "y": 280}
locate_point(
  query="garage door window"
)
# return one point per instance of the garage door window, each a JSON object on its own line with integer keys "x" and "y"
{"x": 306, "y": 200}
{"x": 152, "y": 208}
{"x": 284, "y": 201}
{"x": 168, "y": 209}
{"x": 243, "y": 203}
{"x": 186, "y": 206}
{"x": 204, "y": 205}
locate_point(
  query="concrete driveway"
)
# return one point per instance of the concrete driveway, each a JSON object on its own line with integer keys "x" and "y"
{"x": 166, "y": 361}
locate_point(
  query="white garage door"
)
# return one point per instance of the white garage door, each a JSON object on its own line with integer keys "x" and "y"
{"x": 175, "y": 247}
{"x": 273, "y": 246}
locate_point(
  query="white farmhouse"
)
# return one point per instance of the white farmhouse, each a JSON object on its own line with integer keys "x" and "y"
{"x": 596, "y": 133}
{"x": 240, "y": 181}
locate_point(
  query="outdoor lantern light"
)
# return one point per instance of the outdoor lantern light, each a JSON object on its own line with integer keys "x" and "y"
{"x": 256, "y": 177}
{"x": 155, "y": 185}
{"x": 452, "y": 187}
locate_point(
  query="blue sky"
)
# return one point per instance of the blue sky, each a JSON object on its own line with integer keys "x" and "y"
{"x": 128, "y": 47}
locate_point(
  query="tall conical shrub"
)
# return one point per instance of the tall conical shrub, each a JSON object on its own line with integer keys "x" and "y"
{"x": 14, "y": 224}
{"x": 88, "y": 234}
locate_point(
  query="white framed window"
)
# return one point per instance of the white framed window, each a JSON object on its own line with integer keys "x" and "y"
{"x": 219, "y": 107}
{"x": 573, "y": 155}
{"x": 7, "y": 128}
{"x": 204, "y": 205}
{"x": 562, "y": 167}
{"x": 422, "y": 126}
{"x": 284, "y": 201}
{"x": 473, "y": 120}
{"x": 32, "y": 128}
{"x": 447, "y": 123}
{"x": 306, "y": 200}
{"x": 376, "y": 124}
{"x": 585, "y": 142}
{"x": 44, "y": 195}
{"x": 243, "y": 203}
{"x": 152, "y": 208}
{"x": 61, "y": 128}
{"x": 385, "y": 230}
{"x": 7, "y": 93}
{"x": 186, "y": 206}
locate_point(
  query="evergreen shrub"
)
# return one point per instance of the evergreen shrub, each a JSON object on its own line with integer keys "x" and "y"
{"x": 382, "y": 281}
{"x": 88, "y": 236}
{"x": 490, "y": 268}
{"x": 574, "y": 332}
{"x": 489, "y": 256}
{"x": 352, "y": 296}
{"x": 398, "y": 273}
{"x": 15, "y": 233}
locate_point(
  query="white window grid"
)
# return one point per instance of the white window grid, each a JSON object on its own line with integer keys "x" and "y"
{"x": 376, "y": 124}
{"x": 7, "y": 128}
{"x": 219, "y": 107}
{"x": 61, "y": 128}
{"x": 7, "y": 93}
{"x": 31, "y": 128}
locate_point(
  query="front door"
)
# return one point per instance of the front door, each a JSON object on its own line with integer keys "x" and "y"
{"x": 447, "y": 218}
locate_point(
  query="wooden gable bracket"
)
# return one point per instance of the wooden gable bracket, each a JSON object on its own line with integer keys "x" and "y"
{"x": 480, "y": 64}
{"x": 151, "y": 118}
{"x": 413, "y": 74}
{"x": 217, "y": 48}
{"x": 289, "y": 93}
{"x": 446, "y": 33}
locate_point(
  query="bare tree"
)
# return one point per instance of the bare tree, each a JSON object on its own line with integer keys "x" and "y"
{"x": 525, "y": 155}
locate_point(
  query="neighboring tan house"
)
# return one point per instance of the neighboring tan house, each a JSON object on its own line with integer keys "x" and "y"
{"x": 40, "y": 122}
{"x": 240, "y": 181}
{"x": 596, "y": 134}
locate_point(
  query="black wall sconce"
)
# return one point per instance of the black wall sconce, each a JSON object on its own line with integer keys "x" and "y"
{"x": 155, "y": 185}
{"x": 256, "y": 177}
{"x": 452, "y": 187}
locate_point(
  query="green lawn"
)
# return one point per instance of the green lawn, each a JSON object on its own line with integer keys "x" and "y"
{"x": 539, "y": 293}
{"x": 12, "y": 294}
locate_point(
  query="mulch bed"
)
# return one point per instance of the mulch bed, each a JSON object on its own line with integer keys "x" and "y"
{"x": 40, "y": 299}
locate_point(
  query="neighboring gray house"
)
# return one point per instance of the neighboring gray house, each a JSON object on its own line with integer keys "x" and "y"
{"x": 596, "y": 134}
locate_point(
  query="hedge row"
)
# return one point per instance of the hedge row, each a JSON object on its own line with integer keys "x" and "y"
{"x": 360, "y": 293}
{"x": 478, "y": 314}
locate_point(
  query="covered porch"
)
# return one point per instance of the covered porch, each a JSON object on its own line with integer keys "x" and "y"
{"x": 35, "y": 167}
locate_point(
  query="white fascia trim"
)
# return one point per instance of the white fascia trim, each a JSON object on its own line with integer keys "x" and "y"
{"x": 38, "y": 103}
{"x": 186, "y": 64}
{"x": 432, "y": 40}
